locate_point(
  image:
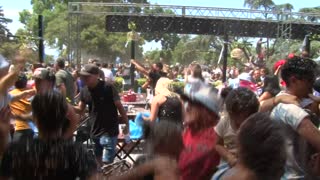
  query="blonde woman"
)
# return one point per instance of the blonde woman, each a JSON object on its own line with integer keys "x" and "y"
{"x": 166, "y": 104}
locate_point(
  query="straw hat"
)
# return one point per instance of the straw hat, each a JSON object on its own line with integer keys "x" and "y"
{"x": 237, "y": 54}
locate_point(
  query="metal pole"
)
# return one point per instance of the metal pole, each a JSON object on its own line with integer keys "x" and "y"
{"x": 225, "y": 58}
{"x": 40, "y": 34}
{"x": 78, "y": 46}
{"x": 69, "y": 39}
{"x": 132, "y": 67}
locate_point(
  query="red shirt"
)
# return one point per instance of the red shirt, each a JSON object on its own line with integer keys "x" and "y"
{"x": 199, "y": 158}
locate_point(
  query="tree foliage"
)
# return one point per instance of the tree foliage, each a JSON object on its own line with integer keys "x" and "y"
{"x": 94, "y": 40}
{"x": 4, "y": 31}
{"x": 258, "y": 4}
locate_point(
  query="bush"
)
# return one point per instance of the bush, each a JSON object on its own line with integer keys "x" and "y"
{"x": 177, "y": 86}
{"x": 118, "y": 84}
{"x": 138, "y": 83}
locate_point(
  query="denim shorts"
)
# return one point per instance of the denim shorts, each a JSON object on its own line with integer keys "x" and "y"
{"x": 105, "y": 147}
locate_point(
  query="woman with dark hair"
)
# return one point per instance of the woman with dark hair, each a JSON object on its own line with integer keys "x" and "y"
{"x": 49, "y": 156}
{"x": 261, "y": 147}
{"x": 195, "y": 74}
{"x": 270, "y": 87}
{"x": 195, "y": 80}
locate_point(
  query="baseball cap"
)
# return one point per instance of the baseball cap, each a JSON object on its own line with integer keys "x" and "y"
{"x": 205, "y": 95}
{"x": 89, "y": 69}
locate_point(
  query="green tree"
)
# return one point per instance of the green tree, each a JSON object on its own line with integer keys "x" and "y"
{"x": 315, "y": 10}
{"x": 258, "y": 4}
{"x": 286, "y": 7}
{"x": 8, "y": 48}
{"x": 4, "y": 31}
{"x": 94, "y": 40}
{"x": 204, "y": 49}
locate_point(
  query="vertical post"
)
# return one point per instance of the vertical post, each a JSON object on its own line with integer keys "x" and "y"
{"x": 132, "y": 67}
{"x": 78, "y": 46}
{"x": 40, "y": 34}
{"x": 69, "y": 46}
{"x": 267, "y": 50}
{"x": 225, "y": 58}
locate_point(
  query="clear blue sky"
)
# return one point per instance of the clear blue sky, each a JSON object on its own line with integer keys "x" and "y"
{"x": 13, "y": 7}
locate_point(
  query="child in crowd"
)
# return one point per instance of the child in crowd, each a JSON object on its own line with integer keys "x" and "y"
{"x": 240, "y": 104}
{"x": 261, "y": 150}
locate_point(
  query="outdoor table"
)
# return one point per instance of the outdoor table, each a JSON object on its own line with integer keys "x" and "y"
{"x": 136, "y": 104}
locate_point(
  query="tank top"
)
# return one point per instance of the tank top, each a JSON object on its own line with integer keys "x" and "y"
{"x": 171, "y": 110}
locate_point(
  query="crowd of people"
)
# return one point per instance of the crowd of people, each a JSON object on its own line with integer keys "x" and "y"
{"x": 260, "y": 124}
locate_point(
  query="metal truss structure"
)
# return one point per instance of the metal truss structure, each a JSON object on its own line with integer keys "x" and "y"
{"x": 191, "y": 20}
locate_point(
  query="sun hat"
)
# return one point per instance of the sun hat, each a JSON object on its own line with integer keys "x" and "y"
{"x": 205, "y": 95}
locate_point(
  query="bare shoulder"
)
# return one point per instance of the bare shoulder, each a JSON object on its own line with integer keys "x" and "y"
{"x": 159, "y": 99}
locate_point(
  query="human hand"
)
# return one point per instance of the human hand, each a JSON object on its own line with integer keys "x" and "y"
{"x": 314, "y": 164}
{"x": 286, "y": 99}
{"x": 277, "y": 70}
{"x": 186, "y": 71}
{"x": 315, "y": 98}
{"x": 125, "y": 130}
{"x": 232, "y": 160}
{"x": 28, "y": 93}
{"x": 132, "y": 61}
{"x": 145, "y": 118}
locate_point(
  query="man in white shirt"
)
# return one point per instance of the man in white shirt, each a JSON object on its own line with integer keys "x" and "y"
{"x": 108, "y": 75}
{"x": 299, "y": 77}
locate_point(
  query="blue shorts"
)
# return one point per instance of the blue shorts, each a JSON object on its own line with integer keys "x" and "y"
{"x": 105, "y": 147}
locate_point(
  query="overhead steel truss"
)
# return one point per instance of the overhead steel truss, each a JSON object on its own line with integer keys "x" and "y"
{"x": 190, "y": 11}
{"x": 192, "y": 19}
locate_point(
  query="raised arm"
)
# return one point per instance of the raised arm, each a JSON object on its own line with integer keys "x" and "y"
{"x": 74, "y": 120}
{"x": 7, "y": 81}
{"x": 224, "y": 153}
{"x": 269, "y": 104}
{"x": 155, "y": 104}
{"x": 24, "y": 94}
{"x": 139, "y": 67}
